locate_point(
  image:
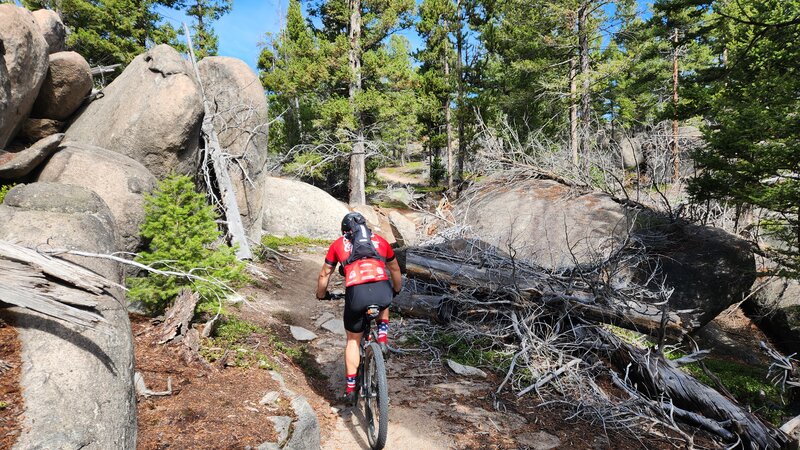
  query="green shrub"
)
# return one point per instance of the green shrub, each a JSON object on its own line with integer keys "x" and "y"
{"x": 4, "y": 190}
{"x": 276, "y": 242}
{"x": 438, "y": 171}
{"x": 182, "y": 235}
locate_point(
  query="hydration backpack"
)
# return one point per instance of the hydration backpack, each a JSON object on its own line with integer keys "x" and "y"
{"x": 360, "y": 237}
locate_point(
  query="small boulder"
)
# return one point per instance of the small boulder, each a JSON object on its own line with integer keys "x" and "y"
{"x": 120, "y": 181}
{"x": 538, "y": 440}
{"x": 301, "y": 334}
{"x": 34, "y": 130}
{"x": 632, "y": 152}
{"x": 241, "y": 118}
{"x": 294, "y": 208}
{"x": 152, "y": 113}
{"x": 52, "y": 28}
{"x": 776, "y": 308}
{"x": 68, "y": 82}
{"x": 335, "y": 326}
{"x": 14, "y": 166}
{"x": 404, "y": 230}
{"x": 24, "y": 67}
{"x": 467, "y": 371}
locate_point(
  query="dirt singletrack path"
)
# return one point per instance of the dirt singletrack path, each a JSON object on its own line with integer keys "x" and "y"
{"x": 430, "y": 407}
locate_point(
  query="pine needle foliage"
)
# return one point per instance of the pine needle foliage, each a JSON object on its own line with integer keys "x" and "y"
{"x": 182, "y": 235}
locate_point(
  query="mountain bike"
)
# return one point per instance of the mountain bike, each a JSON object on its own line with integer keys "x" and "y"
{"x": 371, "y": 384}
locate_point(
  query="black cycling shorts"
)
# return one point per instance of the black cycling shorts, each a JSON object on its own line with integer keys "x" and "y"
{"x": 357, "y": 298}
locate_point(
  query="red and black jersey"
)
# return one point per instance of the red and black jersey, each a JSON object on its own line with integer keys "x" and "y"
{"x": 364, "y": 270}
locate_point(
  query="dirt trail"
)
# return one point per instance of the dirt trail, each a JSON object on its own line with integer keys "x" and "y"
{"x": 414, "y": 175}
{"x": 413, "y": 422}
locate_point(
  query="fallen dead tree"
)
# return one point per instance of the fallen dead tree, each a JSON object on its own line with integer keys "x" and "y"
{"x": 586, "y": 294}
{"x": 550, "y": 326}
{"x": 51, "y": 286}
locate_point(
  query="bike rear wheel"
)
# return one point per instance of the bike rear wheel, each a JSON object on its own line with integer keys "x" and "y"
{"x": 376, "y": 397}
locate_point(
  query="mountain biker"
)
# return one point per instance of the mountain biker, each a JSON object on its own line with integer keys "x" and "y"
{"x": 366, "y": 283}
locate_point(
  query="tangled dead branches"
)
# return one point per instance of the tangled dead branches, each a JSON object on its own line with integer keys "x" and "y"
{"x": 546, "y": 332}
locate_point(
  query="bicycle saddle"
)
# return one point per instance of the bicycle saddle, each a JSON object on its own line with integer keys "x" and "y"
{"x": 373, "y": 311}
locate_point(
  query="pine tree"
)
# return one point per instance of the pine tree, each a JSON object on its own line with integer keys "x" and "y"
{"x": 182, "y": 235}
{"x": 753, "y": 152}
{"x": 437, "y": 20}
{"x": 109, "y": 32}
{"x": 203, "y": 13}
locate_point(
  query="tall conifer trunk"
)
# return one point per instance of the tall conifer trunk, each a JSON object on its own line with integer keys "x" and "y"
{"x": 358, "y": 154}
{"x": 583, "y": 49}
{"x": 460, "y": 111}
{"x": 447, "y": 121}
{"x": 676, "y": 155}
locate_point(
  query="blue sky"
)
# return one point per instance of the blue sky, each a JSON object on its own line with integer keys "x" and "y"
{"x": 242, "y": 31}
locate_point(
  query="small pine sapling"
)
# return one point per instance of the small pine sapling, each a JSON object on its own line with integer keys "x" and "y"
{"x": 181, "y": 234}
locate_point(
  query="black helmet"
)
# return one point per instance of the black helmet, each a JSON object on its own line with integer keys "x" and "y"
{"x": 351, "y": 219}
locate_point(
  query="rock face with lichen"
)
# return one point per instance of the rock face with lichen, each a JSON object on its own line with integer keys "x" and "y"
{"x": 151, "y": 113}
{"x": 23, "y": 67}
{"x": 80, "y": 379}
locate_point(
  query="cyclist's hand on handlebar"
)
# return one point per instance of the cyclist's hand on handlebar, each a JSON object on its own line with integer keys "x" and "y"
{"x": 331, "y": 296}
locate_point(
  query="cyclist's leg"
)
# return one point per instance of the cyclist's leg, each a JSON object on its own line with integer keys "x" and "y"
{"x": 351, "y": 353}
{"x": 354, "y": 325}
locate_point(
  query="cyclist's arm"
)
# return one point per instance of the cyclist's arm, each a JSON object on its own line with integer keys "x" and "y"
{"x": 322, "y": 282}
{"x": 394, "y": 271}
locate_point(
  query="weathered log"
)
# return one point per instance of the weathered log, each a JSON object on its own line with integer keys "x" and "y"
{"x": 179, "y": 316}
{"x": 49, "y": 286}
{"x": 657, "y": 378}
{"x": 437, "y": 308}
{"x": 638, "y": 316}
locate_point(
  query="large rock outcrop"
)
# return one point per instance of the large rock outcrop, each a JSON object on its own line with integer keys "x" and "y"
{"x": 14, "y": 166}
{"x": 303, "y": 210}
{"x": 120, "y": 181}
{"x": 152, "y": 113}
{"x": 22, "y": 68}
{"x": 775, "y": 306}
{"x": 68, "y": 82}
{"x": 52, "y": 28}
{"x": 77, "y": 383}
{"x": 547, "y": 222}
{"x": 561, "y": 228}
{"x": 240, "y": 117}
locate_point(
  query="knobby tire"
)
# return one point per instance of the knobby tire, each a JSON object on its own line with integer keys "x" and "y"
{"x": 376, "y": 397}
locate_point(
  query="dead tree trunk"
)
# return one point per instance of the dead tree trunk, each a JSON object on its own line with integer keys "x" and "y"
{"x": 233, "y": 218}
{"x": 51, "y": 286}
{"x": 675, "y": 149}
{"x": 659, "y": 378}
